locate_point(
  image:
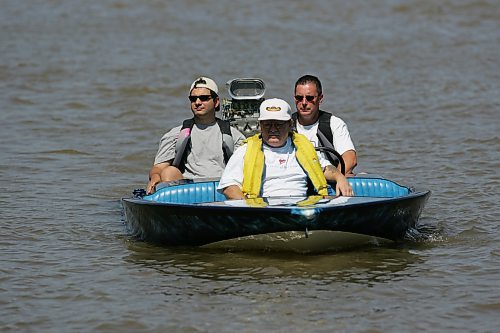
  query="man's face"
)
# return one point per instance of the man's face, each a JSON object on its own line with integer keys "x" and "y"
{"x": 202, "y": 103}
{"x": 307, "y": 102}
{"x": 275, "y": 132}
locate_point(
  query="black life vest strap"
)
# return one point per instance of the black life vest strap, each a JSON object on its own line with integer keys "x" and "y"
{"x": 323, "y": 126}
{"x": 324, "y": 134}
{"x": 185, "y": 148}
{"x": 225, "y": 128}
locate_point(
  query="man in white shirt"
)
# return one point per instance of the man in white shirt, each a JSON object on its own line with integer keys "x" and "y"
{"x": 322, "y": 128}
{"x": 278, "y": 162}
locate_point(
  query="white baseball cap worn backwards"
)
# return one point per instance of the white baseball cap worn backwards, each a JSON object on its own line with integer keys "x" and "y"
{"x": 204, "y": 82}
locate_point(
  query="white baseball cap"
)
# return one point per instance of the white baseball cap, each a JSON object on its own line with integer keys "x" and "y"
{"x": 275, "y": 109}
{"x": 204, "y": 82}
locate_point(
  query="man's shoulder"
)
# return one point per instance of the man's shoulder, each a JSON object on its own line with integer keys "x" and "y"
{"x": 325, "y": 115}
{"x": 240, "y": 151}
{"x": 172, "y": 133}
{"x": 323, "y": 111}
{"x": 236, "y": 134}
{"x": 330, "y": 117}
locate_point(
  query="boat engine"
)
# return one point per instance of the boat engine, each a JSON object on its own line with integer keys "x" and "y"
{"x": 242, "y": 109}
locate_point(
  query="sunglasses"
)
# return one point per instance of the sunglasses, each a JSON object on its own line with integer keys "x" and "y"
{"x": 202, "y": 98}
{"x": 308, "y": 98}
{"x": 268, "y": 126}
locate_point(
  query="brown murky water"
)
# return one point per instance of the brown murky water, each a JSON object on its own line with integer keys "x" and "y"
{"x": 88, "y": 87}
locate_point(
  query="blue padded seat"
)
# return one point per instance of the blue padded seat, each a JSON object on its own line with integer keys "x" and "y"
{"x": 187, "y": 193}
{"x": 198, "y": 192}
{"x": 376, "y": 187}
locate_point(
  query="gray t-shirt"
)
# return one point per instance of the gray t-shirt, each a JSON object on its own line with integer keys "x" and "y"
{"x": 206, "y": 159}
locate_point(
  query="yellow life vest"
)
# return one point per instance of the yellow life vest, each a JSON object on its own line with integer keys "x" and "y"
{"x": 253, "y": 166}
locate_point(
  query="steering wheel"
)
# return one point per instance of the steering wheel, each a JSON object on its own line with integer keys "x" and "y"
{"x": 334, "y": 157}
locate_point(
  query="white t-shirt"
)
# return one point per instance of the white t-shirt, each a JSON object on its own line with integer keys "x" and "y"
{"x": 283, "y": 175}
{"x": 206, "y": 159}
{"x": 341, "y": 138}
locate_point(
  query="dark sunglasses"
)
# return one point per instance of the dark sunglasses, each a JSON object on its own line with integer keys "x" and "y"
{"x": 268, "y": 126}
{"x": 202, "y": 98}
{"x": 308, "y": 98}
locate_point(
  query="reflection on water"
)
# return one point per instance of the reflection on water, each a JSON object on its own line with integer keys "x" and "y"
{"x": 366, "y": 265}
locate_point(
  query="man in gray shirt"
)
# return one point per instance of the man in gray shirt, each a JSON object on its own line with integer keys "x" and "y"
{"x": 201, "y": 146}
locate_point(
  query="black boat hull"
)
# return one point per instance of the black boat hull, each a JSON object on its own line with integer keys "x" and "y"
{"x": 200, "y": 224}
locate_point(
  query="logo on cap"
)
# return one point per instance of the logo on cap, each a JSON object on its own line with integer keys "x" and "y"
{"x": 273, "y": 108}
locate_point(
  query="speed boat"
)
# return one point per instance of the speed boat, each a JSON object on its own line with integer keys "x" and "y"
{"x": 194, "y": 213}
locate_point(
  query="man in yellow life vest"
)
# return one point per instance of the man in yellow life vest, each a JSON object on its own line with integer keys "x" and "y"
{"x": 278, "y": 161}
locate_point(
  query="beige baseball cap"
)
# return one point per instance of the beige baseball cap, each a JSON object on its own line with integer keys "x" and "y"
{"x": 205, "y": 82}
{"x": 275, "y": 109}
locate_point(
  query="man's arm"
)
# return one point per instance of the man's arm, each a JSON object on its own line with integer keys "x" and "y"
{"x": 343, "y": 187}
{"x": 342, "y": 143}
{"x": 350, "y": 160}
{"x": 238, "y": 137}
{"x": 233, "y": 192}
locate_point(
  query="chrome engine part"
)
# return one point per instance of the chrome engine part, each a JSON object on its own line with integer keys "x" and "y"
{"x": 242, "y": 109}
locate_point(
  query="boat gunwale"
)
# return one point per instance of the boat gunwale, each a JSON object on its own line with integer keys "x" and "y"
{"x": 202, "y": 205}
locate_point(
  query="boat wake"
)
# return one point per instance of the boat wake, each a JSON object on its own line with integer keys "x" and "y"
{"x": 423, "y": 233}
